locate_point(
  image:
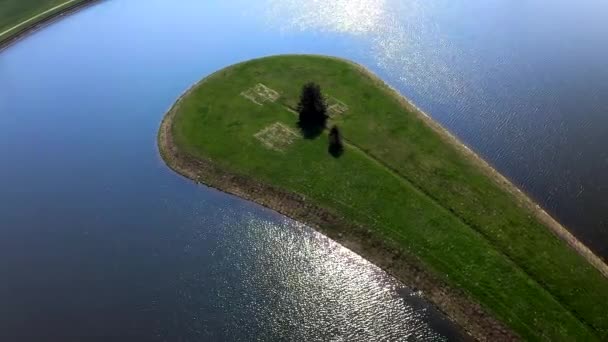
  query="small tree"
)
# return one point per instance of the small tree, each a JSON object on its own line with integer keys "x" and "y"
{"x": 312, "y": 109}
{"x": 336, "y": 148}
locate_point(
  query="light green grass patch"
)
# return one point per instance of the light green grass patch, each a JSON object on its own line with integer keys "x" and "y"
{"x": 335, "y": 107}
{"x": 260, "y": 93}
{"x": 277, "y": 136}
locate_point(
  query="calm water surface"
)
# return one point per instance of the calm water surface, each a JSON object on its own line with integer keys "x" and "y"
{"x": 99, "y": 240}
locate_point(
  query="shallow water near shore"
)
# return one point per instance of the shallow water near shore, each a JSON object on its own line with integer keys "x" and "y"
{"x": 98, "y": 238}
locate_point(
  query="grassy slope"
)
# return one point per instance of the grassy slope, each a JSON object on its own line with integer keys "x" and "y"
{"x": 437, "y": 205}
{"x": 14, "y": 12}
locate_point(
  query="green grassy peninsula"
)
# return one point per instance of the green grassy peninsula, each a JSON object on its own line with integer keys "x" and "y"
{"x": 404, "y": 194}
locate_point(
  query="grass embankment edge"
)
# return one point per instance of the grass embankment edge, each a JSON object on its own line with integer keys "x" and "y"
{"x": 523, "y": 198}
{"x": 34, "y": 23}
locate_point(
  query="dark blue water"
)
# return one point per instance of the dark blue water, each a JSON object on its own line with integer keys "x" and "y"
{"x": 99, "y": 240}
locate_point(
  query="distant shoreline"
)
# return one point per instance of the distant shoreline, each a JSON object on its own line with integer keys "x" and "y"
{"x": 33, "y": 24}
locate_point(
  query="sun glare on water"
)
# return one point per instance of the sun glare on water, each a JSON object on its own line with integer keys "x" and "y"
{"x": 344, "y": 16}
{"x": 404, "y": 39}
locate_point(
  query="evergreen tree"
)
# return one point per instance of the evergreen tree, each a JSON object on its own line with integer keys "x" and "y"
{"x": 336, "y": 148}
{"x": 312, "y": 108}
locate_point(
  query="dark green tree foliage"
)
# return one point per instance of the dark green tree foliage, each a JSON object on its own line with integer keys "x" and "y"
{"x": 312, "y": 110}
{"x": 336, "y": 148}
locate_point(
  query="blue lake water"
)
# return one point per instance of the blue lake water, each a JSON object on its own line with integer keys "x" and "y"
{"x": 99, "y": 240}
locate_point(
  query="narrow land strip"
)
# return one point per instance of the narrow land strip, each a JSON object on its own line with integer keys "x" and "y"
{"x": 557, "y": 228}
{"x": 524, "y": 200}
{"x": 403, "y": 179}
{"x": 38, "y": 16}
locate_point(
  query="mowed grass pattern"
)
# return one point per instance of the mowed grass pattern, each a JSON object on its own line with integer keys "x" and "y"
{"x": 407, "y": 184}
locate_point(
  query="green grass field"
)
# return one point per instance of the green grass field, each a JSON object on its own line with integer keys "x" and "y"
{"x": 403, "y": 181}
{"x": 13, "y": 12}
